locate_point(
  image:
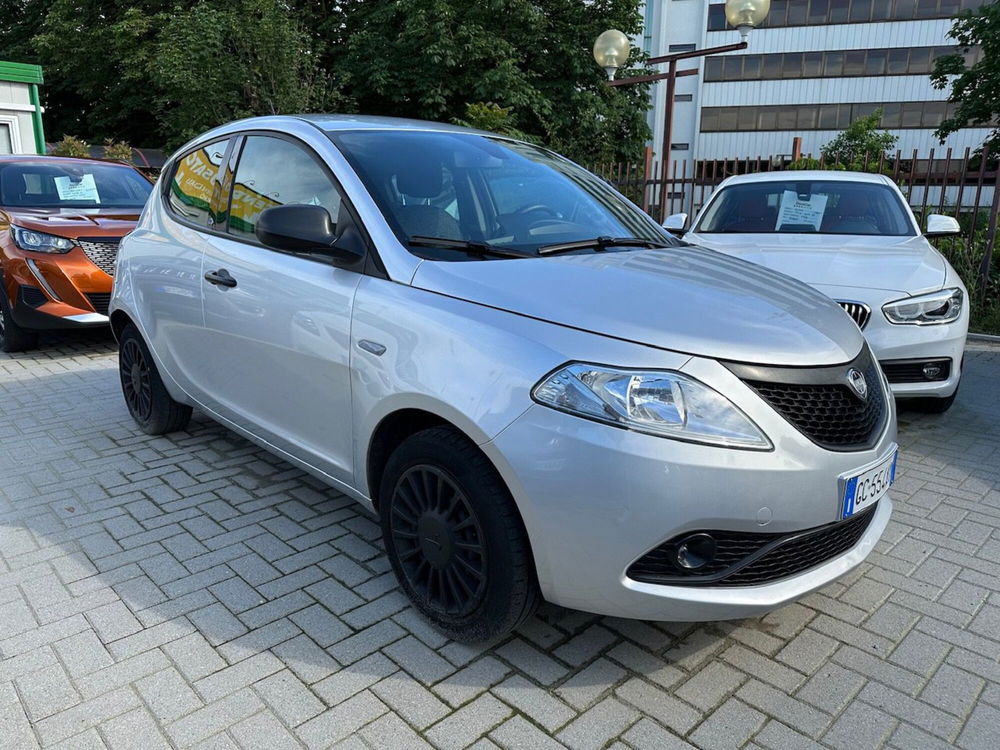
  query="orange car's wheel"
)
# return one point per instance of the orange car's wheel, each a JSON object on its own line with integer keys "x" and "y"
{"x": 148, "y": 400}
{"x": 13, "y": 338}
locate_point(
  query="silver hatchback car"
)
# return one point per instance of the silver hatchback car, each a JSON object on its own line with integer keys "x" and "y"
{"x": 539, "y": 392}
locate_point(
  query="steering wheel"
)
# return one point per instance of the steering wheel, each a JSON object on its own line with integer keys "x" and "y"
{"x": 534, "y": 208}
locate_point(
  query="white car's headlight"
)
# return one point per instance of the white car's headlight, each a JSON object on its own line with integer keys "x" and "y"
{"x": 926, "y": 309}
{"x": 662, "y": 403}
{"x": 39, "y": 242}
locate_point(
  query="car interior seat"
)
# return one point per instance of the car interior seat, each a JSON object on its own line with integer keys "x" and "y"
{"x": 751, "y": 213}
{"x": 424, "y": 179}
{"x": 852, "y": 215}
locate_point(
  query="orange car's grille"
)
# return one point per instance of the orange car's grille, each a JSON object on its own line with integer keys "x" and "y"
{"x": 102, "y": 253}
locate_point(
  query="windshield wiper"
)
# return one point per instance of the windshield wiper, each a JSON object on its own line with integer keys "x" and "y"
{"x": 600, "y": 243}
{"x": 465, "y": 246}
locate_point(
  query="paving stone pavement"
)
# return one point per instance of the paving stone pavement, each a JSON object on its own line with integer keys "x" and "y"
{"x": 194, "y": 591}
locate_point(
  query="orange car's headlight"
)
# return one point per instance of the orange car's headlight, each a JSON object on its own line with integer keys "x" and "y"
{"x": 39, "y": 242}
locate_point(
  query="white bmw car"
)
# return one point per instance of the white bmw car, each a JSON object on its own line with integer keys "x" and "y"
{"x": 853, "y": 237}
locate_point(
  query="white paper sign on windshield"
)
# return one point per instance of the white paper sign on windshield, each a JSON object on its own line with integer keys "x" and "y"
{"x": 81, "y": 190}
{"x": 801, "y": 212}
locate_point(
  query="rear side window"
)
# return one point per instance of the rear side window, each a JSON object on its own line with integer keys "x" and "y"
{"x": 276, "y": 172}
{"x": 191, "y": 185}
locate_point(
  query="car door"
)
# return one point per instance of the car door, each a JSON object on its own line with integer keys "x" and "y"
{"x": 165, "y": 253}
{"x": 277, "y": 324}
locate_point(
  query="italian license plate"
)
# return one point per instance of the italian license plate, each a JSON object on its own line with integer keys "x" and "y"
{"x": 864, "y": 490}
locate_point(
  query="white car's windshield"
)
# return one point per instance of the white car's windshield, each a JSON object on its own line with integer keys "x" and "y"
{"x": 807, "y": 206}
{"x": 498, "y": 194}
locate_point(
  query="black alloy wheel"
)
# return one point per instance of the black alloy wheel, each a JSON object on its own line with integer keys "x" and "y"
{"x": 455, "y": 538}
{"x": 439, "y": 541}
{"x": 149, "y": 402}
{"x": 13, "y": 338}
{"x": 136, "y": 385}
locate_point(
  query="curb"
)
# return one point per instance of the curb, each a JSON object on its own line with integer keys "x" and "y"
{"x": 984, "y": 337}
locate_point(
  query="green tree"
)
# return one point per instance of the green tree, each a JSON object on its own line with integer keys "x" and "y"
{"x": 975, "y": 88}
{"x": 861, "y": 141}
{"x": 157, "y": 71}
{"x": 432, "y": 58}
{"x": 88, "y": 50}
{"x": 218, "y": 62}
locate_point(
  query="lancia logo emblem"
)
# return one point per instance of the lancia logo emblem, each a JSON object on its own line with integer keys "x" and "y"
{"x": 856, "y": 379}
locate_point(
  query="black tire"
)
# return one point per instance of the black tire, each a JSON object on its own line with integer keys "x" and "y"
{"x": 13, "y": 338}
{"x": 446, "y": 514}
{"x": 930, "y": 405}
{"x": 148, "y": 401}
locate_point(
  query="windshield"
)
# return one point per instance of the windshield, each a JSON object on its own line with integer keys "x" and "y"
{"x": 473, "y": 188}
{"x": 35, "y": 184}
{"x": 807, "y": 206}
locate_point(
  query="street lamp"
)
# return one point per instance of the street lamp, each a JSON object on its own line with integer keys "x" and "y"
{"x": 611, "y": 50}
{"x": 745, "y": 15}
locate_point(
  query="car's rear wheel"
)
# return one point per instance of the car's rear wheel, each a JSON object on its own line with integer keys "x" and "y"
{"x": 13, "y": 338}
{"x": 148, "y": 400}
{"x": 455, "y": 538}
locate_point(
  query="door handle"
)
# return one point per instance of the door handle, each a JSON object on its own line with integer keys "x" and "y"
{"x": 220, "y": 278}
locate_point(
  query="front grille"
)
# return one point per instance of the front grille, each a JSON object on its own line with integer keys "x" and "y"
{"x": 102, "y": 252}
{"x": 859, "y": 312}
{"x": 912, "y": 370}
{"x": 820, "y": 403}
{"x": 33, "y": 296}
{"x": 100, "y": 302}
{"x": 752, "y": 558}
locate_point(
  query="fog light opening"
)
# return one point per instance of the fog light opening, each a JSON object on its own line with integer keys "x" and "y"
{"x": 695, "y": 552}
{"x": 932, "y": 370}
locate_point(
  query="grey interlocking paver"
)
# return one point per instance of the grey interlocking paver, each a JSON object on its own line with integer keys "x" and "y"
{"x": 194, "y": 590}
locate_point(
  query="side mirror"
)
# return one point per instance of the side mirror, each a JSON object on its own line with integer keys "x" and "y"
{"x": 675, "y": 223}
{"x": 940, "y": 226}
{"x": 303, "y": 228}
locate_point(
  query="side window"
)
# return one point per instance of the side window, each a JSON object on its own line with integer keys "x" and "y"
{"x": 276, "y": 172}
{"x": 191, "y": 185}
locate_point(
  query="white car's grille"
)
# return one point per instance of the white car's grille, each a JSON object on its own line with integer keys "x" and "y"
{"x": 860, "y": 313}
{"x": 102, "y": 253}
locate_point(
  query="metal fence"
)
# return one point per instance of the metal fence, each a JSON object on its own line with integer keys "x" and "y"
{"x": 962, "y": 184}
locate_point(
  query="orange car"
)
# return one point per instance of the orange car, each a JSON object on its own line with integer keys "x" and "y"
{"x": 60, "y": 224}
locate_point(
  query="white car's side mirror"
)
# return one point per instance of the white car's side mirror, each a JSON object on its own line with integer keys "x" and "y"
{"x": 939, "y": 226}
{"x": 675, "y": 223}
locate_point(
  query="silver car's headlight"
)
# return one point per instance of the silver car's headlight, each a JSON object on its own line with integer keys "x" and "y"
{"x": 664, "y": 403}
{"x": 926, "y": 309}
{"x": 39, "y": 242}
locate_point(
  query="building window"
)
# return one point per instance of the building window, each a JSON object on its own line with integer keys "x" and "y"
{"x": 895, "y": 115}
{"x": 907, "y": 61}
{"x": 680, "y": 146}
{"x": 816, "y": 12}
{"x": 682, "y": 48}
{"x": 684, "y": 97}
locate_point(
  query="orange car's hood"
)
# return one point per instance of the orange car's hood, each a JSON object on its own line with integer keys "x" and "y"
{"x": 76, "y": 222}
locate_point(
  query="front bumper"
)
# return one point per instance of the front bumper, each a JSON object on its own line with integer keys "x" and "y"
{"x": 595, "y": 498}
{"x": 61, "y": 292}
{"x": 908, "y": 342}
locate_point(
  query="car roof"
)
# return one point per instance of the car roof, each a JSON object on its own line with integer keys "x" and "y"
{"x": 829, "y": 175}
{"x": 334, "y": 122}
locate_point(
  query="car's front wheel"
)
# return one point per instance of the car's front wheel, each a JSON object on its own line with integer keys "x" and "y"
{"x": 455, "y": 538}
{"x": 13, "y": 338}
{"x": 148, "y": 400}
{"x": 929, "y": 405}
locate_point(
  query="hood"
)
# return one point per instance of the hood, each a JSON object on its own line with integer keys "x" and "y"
{"x": 683, "y": 299}
{"x": 76, "y": 222}
{"x": 899, "y": 264}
